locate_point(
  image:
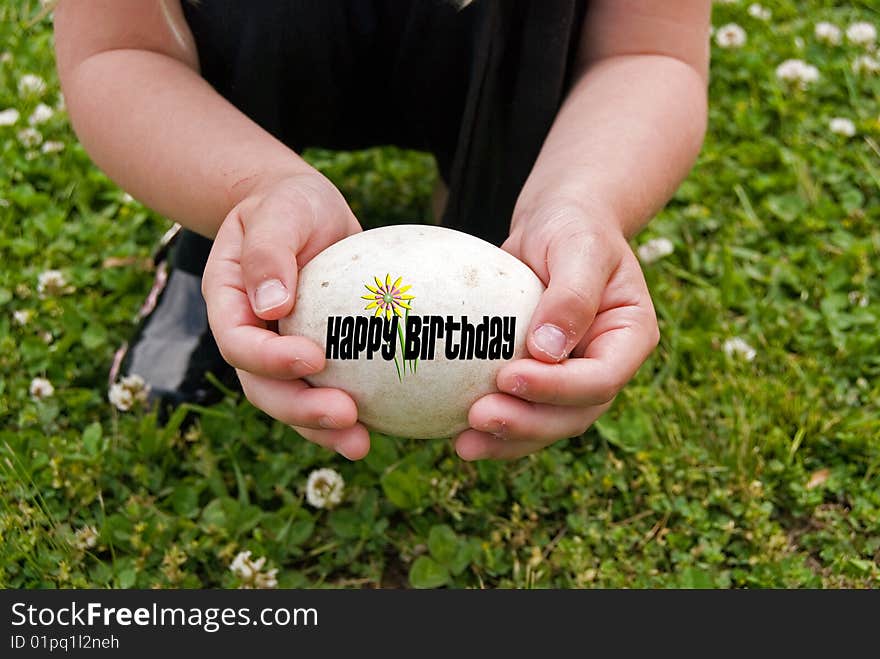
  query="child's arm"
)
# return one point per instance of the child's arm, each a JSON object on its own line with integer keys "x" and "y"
{"x": 130, "y": 74}
{"x": 633, "y": 123}
{"x": 626, "y": 135}
{"x": 129, "y": 71}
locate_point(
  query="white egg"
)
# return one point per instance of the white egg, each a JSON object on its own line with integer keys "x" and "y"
{"x": 416, "y": 321}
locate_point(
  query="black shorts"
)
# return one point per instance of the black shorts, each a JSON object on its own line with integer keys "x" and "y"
{"x": 478, "y": 87}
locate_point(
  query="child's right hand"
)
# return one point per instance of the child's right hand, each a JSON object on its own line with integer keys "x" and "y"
{"x": 251, "y": 277}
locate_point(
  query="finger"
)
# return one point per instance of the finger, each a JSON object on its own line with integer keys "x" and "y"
{"x": 579, "y": 263}
{"x": 297, "y": 404}
{"x": 479, "y": 445}
{"x": 626, "y": 304}
{"x": 352, "y": 443}
{"x": 623, "y": 340}
{"x": 275, "y": 229}
{"x": 265, "y": 353}
{"x": 240, "y": 335}
{"x": 619, "y": 340}
{"x": 514, "y": 419}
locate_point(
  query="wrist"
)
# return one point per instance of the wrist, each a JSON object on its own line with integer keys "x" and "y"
{"x": 260, "y": 183}
{"x": 566, "y": 204}
{"x": 305, "y": 198}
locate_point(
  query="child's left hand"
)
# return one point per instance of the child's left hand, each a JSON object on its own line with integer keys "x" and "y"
{"x": 593, "y": 328}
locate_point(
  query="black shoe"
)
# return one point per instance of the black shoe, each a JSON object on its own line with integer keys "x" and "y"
{"x": 173, "y": 349}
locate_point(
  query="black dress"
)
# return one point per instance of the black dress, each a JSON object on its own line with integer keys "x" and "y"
{"x": 478, "y": 87}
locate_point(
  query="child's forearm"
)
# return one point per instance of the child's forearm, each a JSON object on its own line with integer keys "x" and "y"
{"x": 165, "y": 135}
{"x": 627, "y": 134}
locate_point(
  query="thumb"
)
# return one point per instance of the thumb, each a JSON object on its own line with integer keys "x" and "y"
{"x": 579, "y": 264}
{"x": 273, "y": 236}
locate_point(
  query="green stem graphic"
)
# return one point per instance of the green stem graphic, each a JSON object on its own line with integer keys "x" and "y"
{"x": 413, "y": 363}
{"x": 402, "y": 346}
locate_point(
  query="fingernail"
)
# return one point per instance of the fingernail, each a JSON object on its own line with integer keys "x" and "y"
{"x": 270, "y": 294}
{"x": 327, "y": 422}
{"x": 551, "y": 341}
{"x": 476, "y": 455}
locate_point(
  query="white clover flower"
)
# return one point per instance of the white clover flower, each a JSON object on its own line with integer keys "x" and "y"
{"x": 120, "y": 397}
{"x": 30, "y": 137}
{"x": 241, "y": 563}
{"x": 861, "y": 34}
{"x": 31, "y": 85}
{"x": 737, "y": 347}
{"x": 865, "y": 64}
{"x": 798, "y": 72}
{"x": 21, "y": 317}
{"x": 842, "y": 126}
{"x": 47, "y": 337}
{"x": 136, "y": 385}
{"x": 5, "y": 57}
{"x": 858, "y": 299}
{"x": 760, "y": 12}
{"x": 51, "y": 282}
{"x": 266, "y": 580}
{"x": 129, "y": 390}
{"x": 789, "y": 70}
{"x": 655, "y": 249}
{"x": 730, "y": 36}
{"x": 250, "y": 572}
{"x": 134, "y": 382}
{"x": 52, "y": 147}
{"x": 41, "y": 114}
{"x": 9, "y": 117}
{"x": 85, "y": 538}
{"x": 828, "y": 33}
{"x": 41, "y": 388}
{"x": 127, "y": 198}
{"x": 325, "y": 488}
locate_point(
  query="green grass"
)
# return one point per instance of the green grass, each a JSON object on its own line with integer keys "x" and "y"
{"x": 710, "y": 470}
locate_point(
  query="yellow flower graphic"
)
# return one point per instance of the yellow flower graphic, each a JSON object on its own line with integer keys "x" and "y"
{"x": 387, "y": 297}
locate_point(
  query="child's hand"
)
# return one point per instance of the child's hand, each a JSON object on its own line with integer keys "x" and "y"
{"x": 250, "y": 278}
{"x": 596, "y": 311}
